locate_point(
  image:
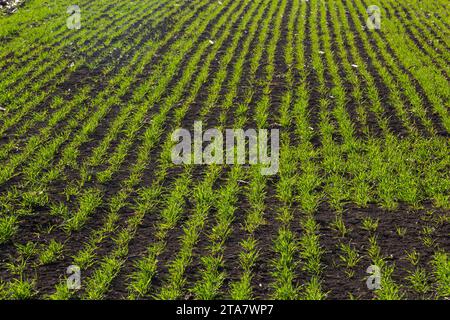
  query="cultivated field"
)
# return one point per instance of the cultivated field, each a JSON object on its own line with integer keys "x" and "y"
{"x": 360, "y": 207}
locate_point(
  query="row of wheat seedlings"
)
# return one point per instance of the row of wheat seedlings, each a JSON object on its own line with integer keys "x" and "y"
{"x": 308, "y": 180}
{"x": 300, "y": 187}
{"x": 210, "y": 276}
{"x": 99, "y": 284}
{"x": 82, "y": 214}
{"x": 85, "y": 257}
{"x": 118, "y": 79}
{"x": 313, "y": 175}
{"x": 241, "y": 289}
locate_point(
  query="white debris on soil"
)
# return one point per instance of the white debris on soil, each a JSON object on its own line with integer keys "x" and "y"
{"x": 2, "y": 109}
{"x": 321, "y": 52}
{"x": 10, "y": 5}
{"x": 354, "y": 65}
{"x": 210, "y": 41}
